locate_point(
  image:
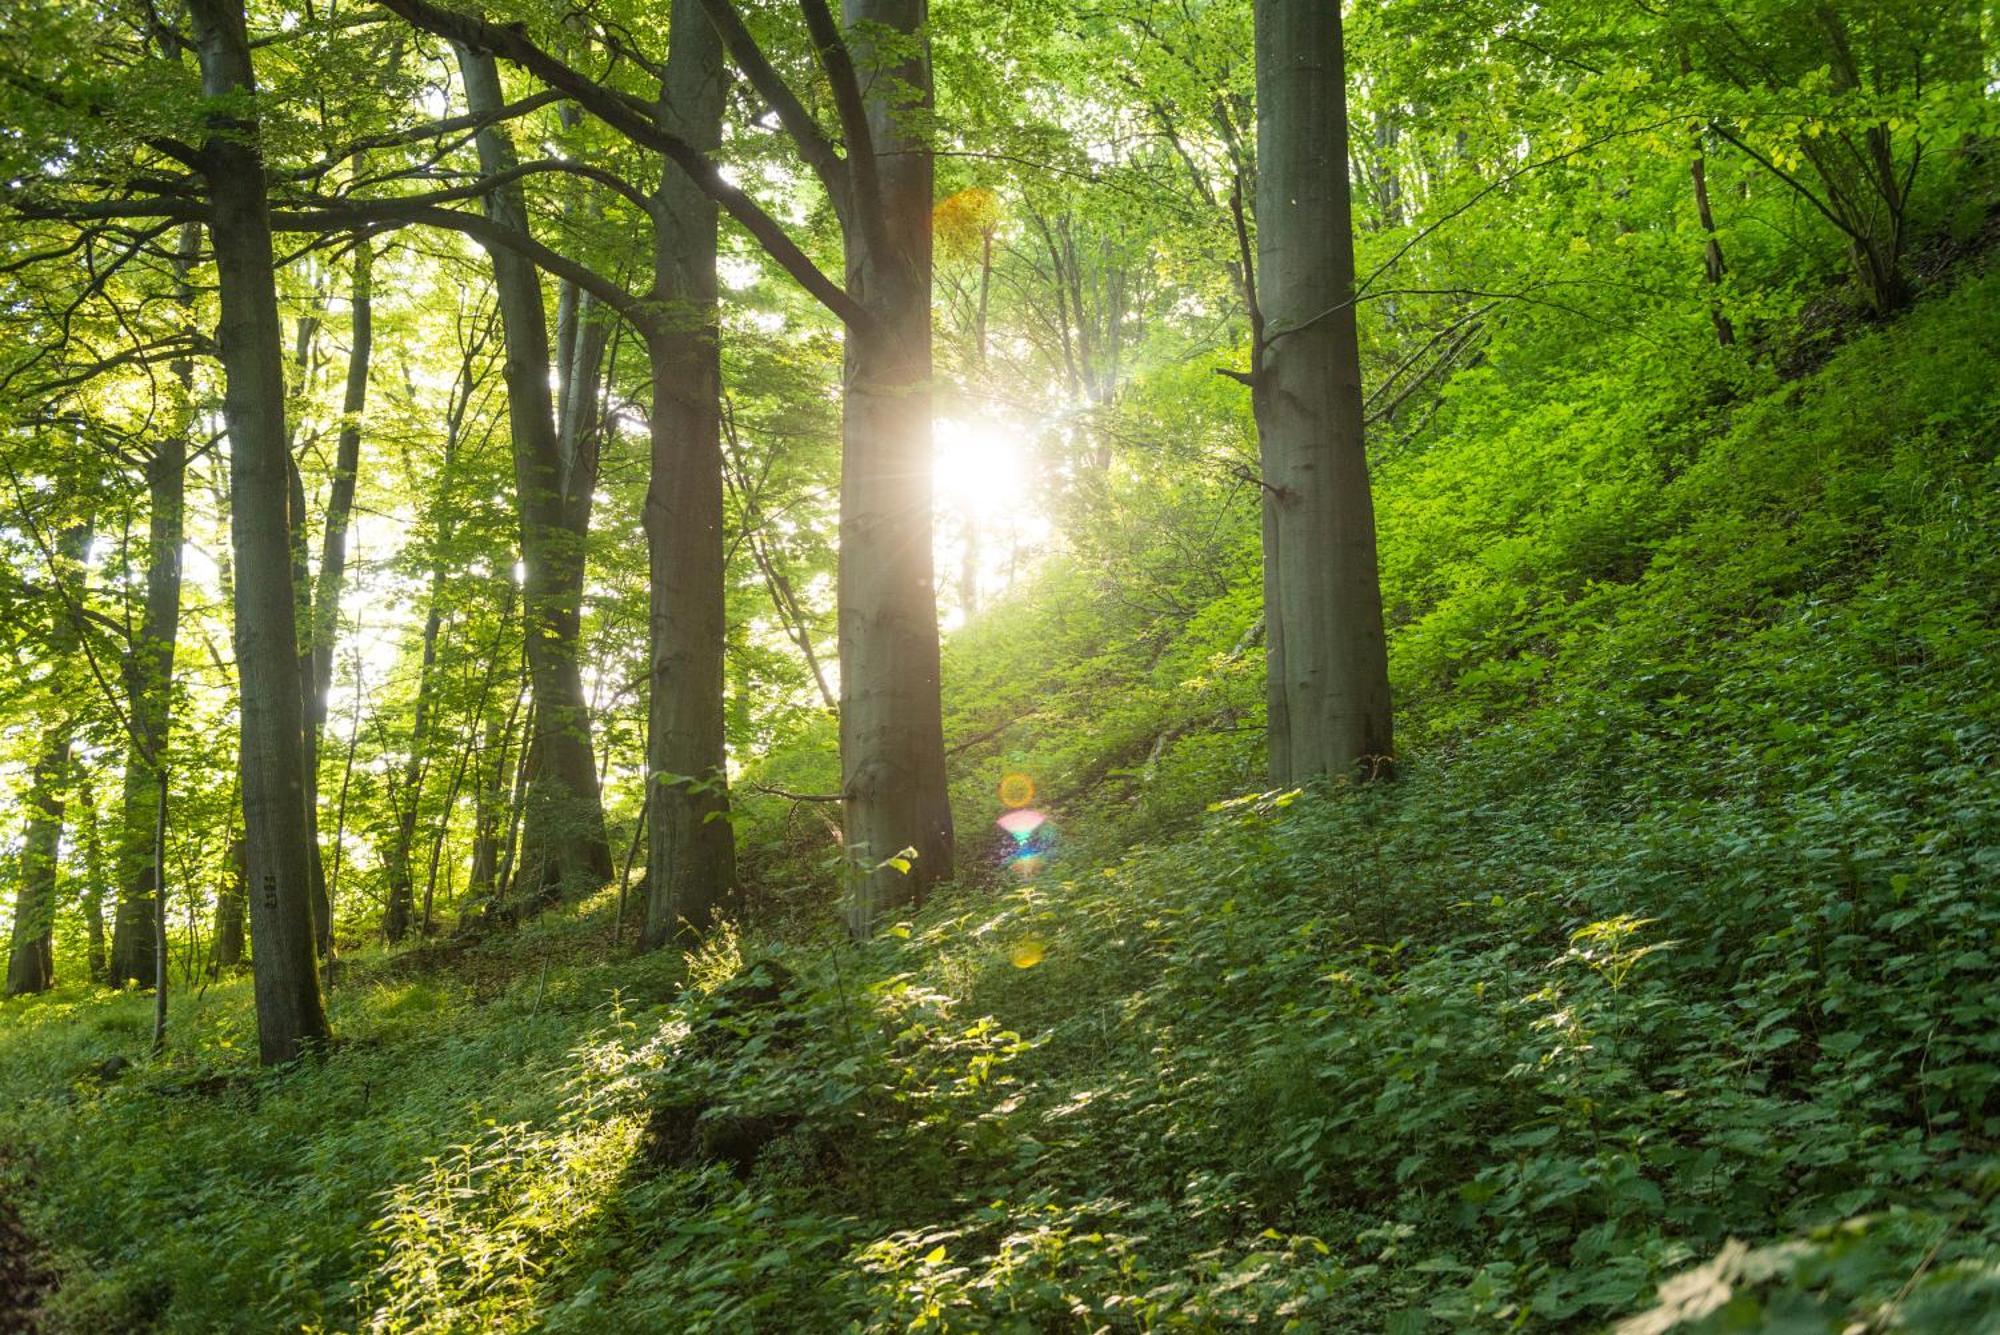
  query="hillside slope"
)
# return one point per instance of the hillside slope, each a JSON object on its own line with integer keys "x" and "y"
{"x": 1680, "y": 928}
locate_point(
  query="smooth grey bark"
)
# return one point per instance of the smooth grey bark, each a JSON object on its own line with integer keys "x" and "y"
{"x": 331, "y": 581}
{"x": 291, "y": 1014}
{"x": 564, "y": 839}
{"x": 226, "y": 952}
{"x": 148, "y": 677}
{"x": 31, "y": 964}
{"x": 891, "y": 720}
{"x": 691, "y": 855}
{"x": 396, "y": 918}
{"x": 1327, "y": 656}
{"x": 97, "y": 959}
{"x": 302, "y": 596}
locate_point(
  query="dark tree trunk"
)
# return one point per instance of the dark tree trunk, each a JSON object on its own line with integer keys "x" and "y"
{"x": 227, "y": 951}
{"x": 291, "y": 1015}
{"x": 324, "y": 618}
{"x": 149, "y": 683}
{"x": 1328, "y": 662}
{"x": 891, "y": 722}
{"x": 402, "y": 902}
{"x": 149, "y": 672}
{"x": 302, "y": 595}
{"x": 564, "y": 839}
{"x": 31, "y": 964}
{"x": 98, "y": 960}
{"x": 691, "y": 862}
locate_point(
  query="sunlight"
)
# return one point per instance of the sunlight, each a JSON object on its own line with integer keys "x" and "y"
{"x": 981, "y": 469}
{"x": 991, "y": 518}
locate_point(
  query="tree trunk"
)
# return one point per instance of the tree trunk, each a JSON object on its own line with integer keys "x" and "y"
{"x": 291, "y": 1014}
{"x": 31, "y": 964}
{"x": 564, "y": 836}
{"x": 227, "y": 951}
{"x": 402, "y": 904}
{"x": 149, "y": 673}
{"x": 1327, "y": 654}
{"x": 332, "y": 578}
{"x": 891, "y": 723}
{"x": 97, "y": 959}
{"x": 691, "y": 858}
{"x": 302, "y": 605}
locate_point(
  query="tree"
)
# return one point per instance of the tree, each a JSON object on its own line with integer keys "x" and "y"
{"x": 31, "y": 965}
{"x": 564, "y": 841}
{"x": 691, "y": 859}
{"x": 1326, "y": 654}
{"x": 291, "y": 1016}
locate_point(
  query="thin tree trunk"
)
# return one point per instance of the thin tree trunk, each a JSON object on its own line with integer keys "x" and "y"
{"x": 491, "y": 811}
{"x": 96, "y": 957}
{"x": 691, "y": 860}
{"x": 1327, "y": 654}
{"x": 31, "y": 964}
{"x": 302, "y": 594}
{"x": 564, "y": 831}
{"x": 396, "y": 919}
{"x": 891, "y": 722}
{"x": 227, "y": 950}
{"x": 291, "y": 1014}
{"x": 149, "y": 672}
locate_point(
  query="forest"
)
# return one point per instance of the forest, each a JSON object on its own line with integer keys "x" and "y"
{"x": 1020, "y": 665}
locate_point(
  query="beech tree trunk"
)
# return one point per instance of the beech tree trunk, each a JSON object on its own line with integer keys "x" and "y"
{"x": 227, "y": 950}
{"x": 691, "y": 856}
{"x": 401, "y": 909}
{"x": 291, "y": 1014}
{"x": 324, "y": 617}
{"x": 891, "y": 722}
{"x": 564, "y": 841}
{"x": 1329, "y": 684}
{"x": 96, "y": 957}
{"x": 149, "y": 672}
{"x": 31, "y": 963}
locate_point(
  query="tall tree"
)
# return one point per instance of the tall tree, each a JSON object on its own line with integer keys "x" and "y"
{"x": 1326, "y": 653}
{"x": 291, "y": 1015}
{"x": 564, "y": 839}
{"x": 691, "y": 859}
{"x": 31, "y": 965}
{"x": 149, "y": 669}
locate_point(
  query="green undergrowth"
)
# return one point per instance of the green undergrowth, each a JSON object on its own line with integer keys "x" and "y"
{"x": 1669, "y": 960}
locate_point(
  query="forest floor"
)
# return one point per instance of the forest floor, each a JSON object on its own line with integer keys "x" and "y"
{"x": 25, "y": 1275}
{"x": 1669, "y": 960}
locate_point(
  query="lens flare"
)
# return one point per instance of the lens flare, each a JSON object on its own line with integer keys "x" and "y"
{"x": 1022, "y": 823}
{"x": 1016, "y": 790}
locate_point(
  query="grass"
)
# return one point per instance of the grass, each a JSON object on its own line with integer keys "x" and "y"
{"x": 1679, "y": 930}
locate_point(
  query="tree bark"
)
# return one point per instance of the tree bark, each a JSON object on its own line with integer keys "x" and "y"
{"x": 227, "y": 950}
{"x": 691, "y": 856}
{"x": 331, "y": 582}
{"x": 149, "y": 673}
{"x": 891, "y": 721}
{"x": 291, "y": 1014}
{"x": 97, "y": 959}
{"x": 564, "y": 837}
{"x": 31, "y": 964}
{"x": 1327, "y": 653}
{"x": 397, "y": 917}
